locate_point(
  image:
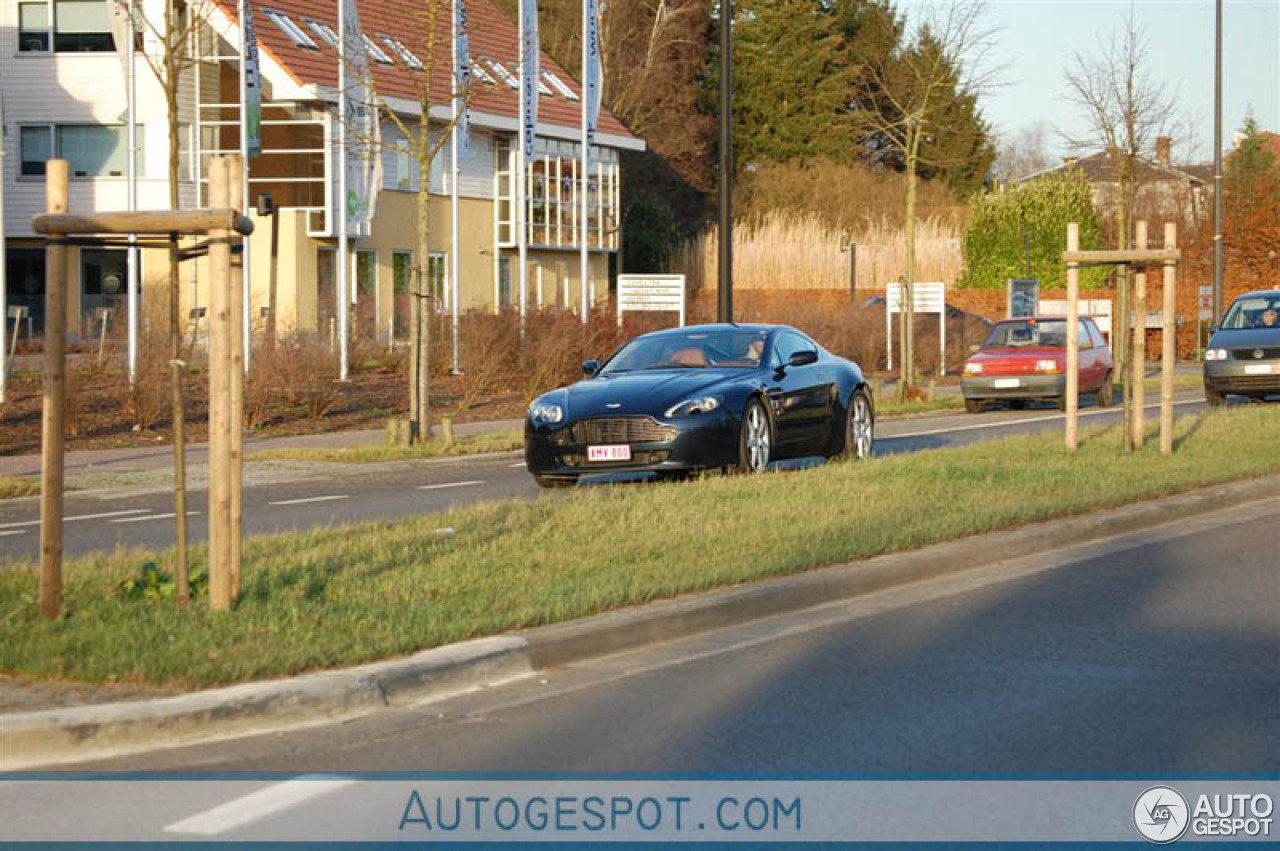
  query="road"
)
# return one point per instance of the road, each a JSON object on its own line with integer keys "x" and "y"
{"x": 1155, "y": 651}
{"x": 342, "y": 494}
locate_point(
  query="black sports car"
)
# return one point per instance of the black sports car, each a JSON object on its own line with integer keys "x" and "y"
{"x": 729, "y": 396}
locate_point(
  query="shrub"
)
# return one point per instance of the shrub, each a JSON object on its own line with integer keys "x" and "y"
{"x": 306, "y": 373}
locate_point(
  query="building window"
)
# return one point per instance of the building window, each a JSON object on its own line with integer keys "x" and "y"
{"x": 437, "y": 274}
{"x": 559, "y": 85}
{"x": 378, "y": 54}
{"x": 93, "y": 150}
{"x": 503, "y": 74}
{"x": 478, "y": 72}
{"x": 326, "y": 33}
{"x": 102, "y": 282}
{"x": 291, "y": 30}
{"x": 401, "y": 278}
{"x": 406, "y": 55}
{"x": 76, "y": 26}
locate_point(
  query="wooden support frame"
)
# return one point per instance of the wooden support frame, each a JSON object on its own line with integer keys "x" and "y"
{"x": 1138, "y": 353}
{"x": 59, "y": 225}
{"x": 1142, "y": 257}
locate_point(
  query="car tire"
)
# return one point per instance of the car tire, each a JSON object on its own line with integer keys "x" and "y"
{"x": 1106, "y": 393}
{"x": 554, "y": 482}
{"x": 755, "y": 439}
{"x": 973, "y": 406}
{"x": 1215, "y": 400}
{"x": 859, "y": 428}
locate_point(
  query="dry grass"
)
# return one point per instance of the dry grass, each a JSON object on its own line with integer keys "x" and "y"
{"x": 801, "y": 251}
{"x": 11, "y": 487}
{"x": 477, "y": 444}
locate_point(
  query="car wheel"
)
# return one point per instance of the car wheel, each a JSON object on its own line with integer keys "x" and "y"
{"x": 755, "y": 439}
{"x": 552, "y": 482}
{"x": 860, "y": 428}
{"x": 973, "y": 406}
{"x": 1106, "y": 393}
{"x": 1215, "y": 400}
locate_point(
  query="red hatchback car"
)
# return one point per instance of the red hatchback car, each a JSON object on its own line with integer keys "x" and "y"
{"x": 1025, "y": 359}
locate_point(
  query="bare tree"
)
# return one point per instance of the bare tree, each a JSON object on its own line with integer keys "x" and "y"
{"x": 423, "y": 144}
{"x": 1125, "y": 111}
{"x": 1023, "y": 153}
{"x": 904, "y": 97}
{"x": 176, "y": 38}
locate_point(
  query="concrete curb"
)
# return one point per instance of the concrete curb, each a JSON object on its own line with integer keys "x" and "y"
{"x": 98, "y": 731}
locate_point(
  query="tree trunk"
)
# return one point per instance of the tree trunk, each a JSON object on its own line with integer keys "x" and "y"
{"x": 907, "y": 372}
{"x": 419, "y": 312}
{"x": 172, "y": 66}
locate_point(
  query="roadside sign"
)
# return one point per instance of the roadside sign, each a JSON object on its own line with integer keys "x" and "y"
{"x": 928, "y": 297}
{"x": 1023, "y": 298}
{"x": 1206, "y": 304}
{"x": 651, "y": 292}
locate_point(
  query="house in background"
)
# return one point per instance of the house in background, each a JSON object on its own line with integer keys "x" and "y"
{"x": 1165, "y": 192}
{"x": 63, "y": 85}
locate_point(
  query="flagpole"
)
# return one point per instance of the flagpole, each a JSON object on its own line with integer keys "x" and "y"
{"x": 341, "y": 205}
{"x": 132, "y": 264}
{"x": 245, "y": 265}
{"x": 584, "y": 231}
{"x": 456, "y": 255}
{"x": 4, "y": 283}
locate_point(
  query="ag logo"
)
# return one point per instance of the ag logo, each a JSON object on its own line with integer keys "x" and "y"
{"x": 1161, "y": 814}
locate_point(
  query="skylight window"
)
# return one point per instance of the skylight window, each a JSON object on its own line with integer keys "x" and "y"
{"x": 378, "y": 54}
{"x": 477, "y": 71}
{"x": 503, "y": 74}
{"x": 398, "y": 48}
{"x": 290, "y": 29}
{"x": 326, "y": 33}
{"x": 559, "y": 86}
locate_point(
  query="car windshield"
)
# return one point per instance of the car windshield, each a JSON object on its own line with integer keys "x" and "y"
{"x": 1252, "y": 313}
{"x": 1027, "y": 332}
{"x": 729, "y": 348}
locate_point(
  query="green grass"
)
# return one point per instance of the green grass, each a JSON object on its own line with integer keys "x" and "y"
{"x": 11, "y": 486}
{"x": 336, "y": 597}
{"x": 891, "y": 407}
{"x": 503, "y": 441}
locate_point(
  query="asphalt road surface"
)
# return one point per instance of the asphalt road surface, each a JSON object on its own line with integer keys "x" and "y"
{"x": 1155, "y": 651}
{"x": 97, "y": 521}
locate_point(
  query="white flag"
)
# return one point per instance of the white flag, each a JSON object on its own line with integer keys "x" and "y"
{"x": 530, "y": 72}
{"x": 364, "y": 137}
{"x": 121, "y": 31}
{"x": 592, "y": 89}
{"x": 462, "y": 71}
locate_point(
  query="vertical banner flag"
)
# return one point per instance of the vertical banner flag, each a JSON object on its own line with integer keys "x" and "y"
{"x": 591, "y": 74}
{"x": 529, "y": 55}
{"x": 252, "y": 81}
{"x": 462, "y": 71}
{"x": 364, "y": 138}
{"x": 121, "y": 31}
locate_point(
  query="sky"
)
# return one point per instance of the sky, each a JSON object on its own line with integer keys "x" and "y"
{"x": 1035, "y": 40}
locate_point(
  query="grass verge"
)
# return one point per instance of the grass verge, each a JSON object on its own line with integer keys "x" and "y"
{"x": 11, "y": 487}
{"x": 336, "y": 597}
{"x": 475, "y": 444}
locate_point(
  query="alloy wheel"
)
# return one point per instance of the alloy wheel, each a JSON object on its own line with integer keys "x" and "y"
{"x": 757, "y": 439}
{"x": 861, "y": 428}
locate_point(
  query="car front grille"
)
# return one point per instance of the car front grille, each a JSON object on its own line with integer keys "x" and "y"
{"x": 1247, "y": 354}
{"x": 612, "y": 430}
{"x": 1247, "y": 383}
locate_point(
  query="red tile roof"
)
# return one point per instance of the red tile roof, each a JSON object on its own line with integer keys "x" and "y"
{"x": 492, "y": 35}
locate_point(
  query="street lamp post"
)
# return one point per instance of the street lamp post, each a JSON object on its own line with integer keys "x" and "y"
{"x": 1217, "y": 164}
{"x": 725, "y": 304}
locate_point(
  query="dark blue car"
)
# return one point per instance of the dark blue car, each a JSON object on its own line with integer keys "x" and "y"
{"x": 734, "y": 397}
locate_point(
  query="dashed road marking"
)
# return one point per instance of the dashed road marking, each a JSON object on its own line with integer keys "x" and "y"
{"x": 308, "y": 499}
{"x": 1010, "y": 423}
{"x": 82, "y": 517}
{"x": 12, "y": 533}
{"x": 258, "y": 805}
{"x": 153, "y": 517}
{"x": 513, "y": 466}
{"x": 448, "y": 485}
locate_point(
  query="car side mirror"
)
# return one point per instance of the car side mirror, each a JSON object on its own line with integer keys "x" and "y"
{"x": 1213, "y": 329}
{"x": 803, "y": 358}
{"x": 590, "y": 367}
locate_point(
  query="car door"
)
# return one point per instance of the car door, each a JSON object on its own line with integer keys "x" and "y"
{"x": 801, "y": 396}
{"x": 1101, "y": 354}
{"x": 1087, "y": 361}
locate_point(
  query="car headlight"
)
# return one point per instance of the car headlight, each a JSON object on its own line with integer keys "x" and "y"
{"x": 973, "y": 369}
{"x": 1215, "y": 354}
{"x": 545, "y": 413}
{"x": 1047, "y": 365}
{"x": 701, "y": 405}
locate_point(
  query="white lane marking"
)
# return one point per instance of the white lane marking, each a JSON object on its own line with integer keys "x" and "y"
{"x": 448, "y": 485}
{"x": 153, "y": 517}
{"x": 1096, "y": 412}
{"x": 81, "y": 517}
{"x": 14, "y": 532}
{"x": 257, "y": 805}
{"x": 513, "y": 466}
{"x": 309, "y": 499}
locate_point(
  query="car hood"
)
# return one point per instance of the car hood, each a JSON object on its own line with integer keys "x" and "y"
{"x": 1245, "y": 338}
{"x": 647, "y": 392}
